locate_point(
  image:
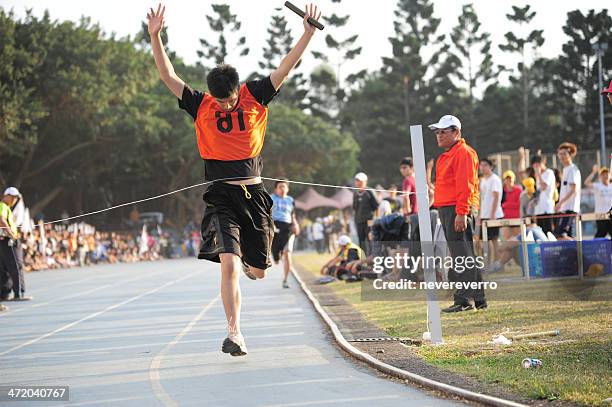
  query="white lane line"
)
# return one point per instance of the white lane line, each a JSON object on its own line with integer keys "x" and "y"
{"x": 154, "y": 377}
{"x": 95, "y": 314}
{"x": 14, "y": 311}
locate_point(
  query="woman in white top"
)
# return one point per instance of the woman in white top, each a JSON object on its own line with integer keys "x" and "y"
{"x": 569, "y": 196}
{"x": 603, "y": 198}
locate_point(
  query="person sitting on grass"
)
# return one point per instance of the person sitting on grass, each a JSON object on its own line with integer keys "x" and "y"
{"x": 348, "y": 252}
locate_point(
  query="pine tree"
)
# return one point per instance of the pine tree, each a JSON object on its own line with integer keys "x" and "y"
{"x": 322, "y": 97}
{"x": 278, "y": 44}
{"x": 415, "y": 29}
{"x": 339, "y": 51}
{"x": 523, "y": 17}
{"x": 576, "y": 81}
{"x": 474, "y": 63}
{"x": 224, "y": 24}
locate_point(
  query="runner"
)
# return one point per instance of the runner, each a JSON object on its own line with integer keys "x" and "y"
{"x": 286, "y": 227}
{"x": 230, "y": 121}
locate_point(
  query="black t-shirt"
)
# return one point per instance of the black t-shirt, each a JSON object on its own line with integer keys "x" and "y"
{"x": 364, "y": 205}
{"x": 262, "y": 90}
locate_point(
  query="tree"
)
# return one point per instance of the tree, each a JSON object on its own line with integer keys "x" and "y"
{"x": 322, "y": 101}
{"x": 575, "y": 77}
{"x": 299, "y": 146}
{"x": 338, "y": 53}
{"x": 473, "y": 60}
{"x": 519, "y": 44}
{"x": 224, "y": 24}
{"x": 415, "y": 29}
{"x": 20, "y": 109}
{"x": 382, "y": 135}
{"x": 278, "y": 44}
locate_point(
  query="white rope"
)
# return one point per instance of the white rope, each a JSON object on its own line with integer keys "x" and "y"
{"x": 337, "y": 186}
{"x": 206, "y": 183}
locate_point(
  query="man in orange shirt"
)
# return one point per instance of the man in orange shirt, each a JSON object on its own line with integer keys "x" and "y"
{"x": 230, "y": 121}
{"x": 457, "y": 198}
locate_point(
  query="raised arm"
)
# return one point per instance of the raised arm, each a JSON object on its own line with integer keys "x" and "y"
{"x": 588, "y": 182}
{"x": 164, "y": 66}
{"x": 279, "y": 75}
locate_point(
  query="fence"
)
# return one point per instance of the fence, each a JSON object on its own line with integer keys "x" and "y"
{"x": 523, "y": 222}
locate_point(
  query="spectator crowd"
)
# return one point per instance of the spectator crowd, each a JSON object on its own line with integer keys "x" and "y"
{"x": 74, "y": 245}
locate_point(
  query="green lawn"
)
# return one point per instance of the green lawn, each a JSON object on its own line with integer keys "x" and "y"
{"x": 577, "y": 365}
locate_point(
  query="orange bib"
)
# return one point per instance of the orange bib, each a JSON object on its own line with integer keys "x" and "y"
{"x": 230, "y": 136}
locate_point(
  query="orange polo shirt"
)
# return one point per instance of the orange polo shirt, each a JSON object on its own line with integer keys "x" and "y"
{"x": 457, "y": 179}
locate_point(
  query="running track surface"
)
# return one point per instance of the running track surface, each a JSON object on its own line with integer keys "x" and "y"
{"x": 149, "y": 334}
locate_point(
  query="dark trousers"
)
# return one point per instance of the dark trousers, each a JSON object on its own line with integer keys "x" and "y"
{"x": 11, "y": 275}
{"x": 460, "y": 244}
{"x": 319, "y": 245}
{"x": 604, "y": 227}
{"x": 565, "y": 225}
{"x": 362, "y": 233}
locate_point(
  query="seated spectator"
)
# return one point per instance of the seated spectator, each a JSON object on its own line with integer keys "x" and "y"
{"x": 347, "y": 252}
{"x": 393, "y": 199}
{"x": 510, "y": 249}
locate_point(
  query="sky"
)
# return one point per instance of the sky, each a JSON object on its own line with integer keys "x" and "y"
{"x": 187, "y": 24}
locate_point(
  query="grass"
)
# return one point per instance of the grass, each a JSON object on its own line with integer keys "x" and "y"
{"x": 577, "y": 366}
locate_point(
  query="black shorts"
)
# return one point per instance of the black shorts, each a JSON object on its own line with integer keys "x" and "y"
{"x": 235, "y": 223}
{"x": 281, "y": 238}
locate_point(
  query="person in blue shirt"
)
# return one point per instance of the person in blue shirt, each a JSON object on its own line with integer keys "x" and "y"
{"x": 286, "y": 227}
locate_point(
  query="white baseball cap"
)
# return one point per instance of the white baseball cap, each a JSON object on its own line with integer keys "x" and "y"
{"x": 361, "y": 176}
{"x": 344, "y": 240}
{"x": 12, "y": 191}
{"x": 445, "y": 122}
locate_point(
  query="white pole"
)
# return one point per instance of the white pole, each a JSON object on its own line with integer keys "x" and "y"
{"x": 418, "y": 156}
{"x": 525, "y": 252}
{"x": 601, "y": 48}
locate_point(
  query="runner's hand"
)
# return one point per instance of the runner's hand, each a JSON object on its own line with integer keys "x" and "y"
{"x": 310, "y": 12}
{"x": 156, "y": 20}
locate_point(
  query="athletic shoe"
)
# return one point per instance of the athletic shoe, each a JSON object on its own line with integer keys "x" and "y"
{"x": 247, "y": 272}
{"x": 481, "y": 305}
{"x": 458, "y": 308}
{"x": 285, "y": 284}
{"x": 3, "y": 307}
{"x": 234, "y": 345}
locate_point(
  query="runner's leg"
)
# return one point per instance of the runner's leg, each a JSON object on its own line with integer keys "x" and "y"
{"x": 230, "y": 290}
